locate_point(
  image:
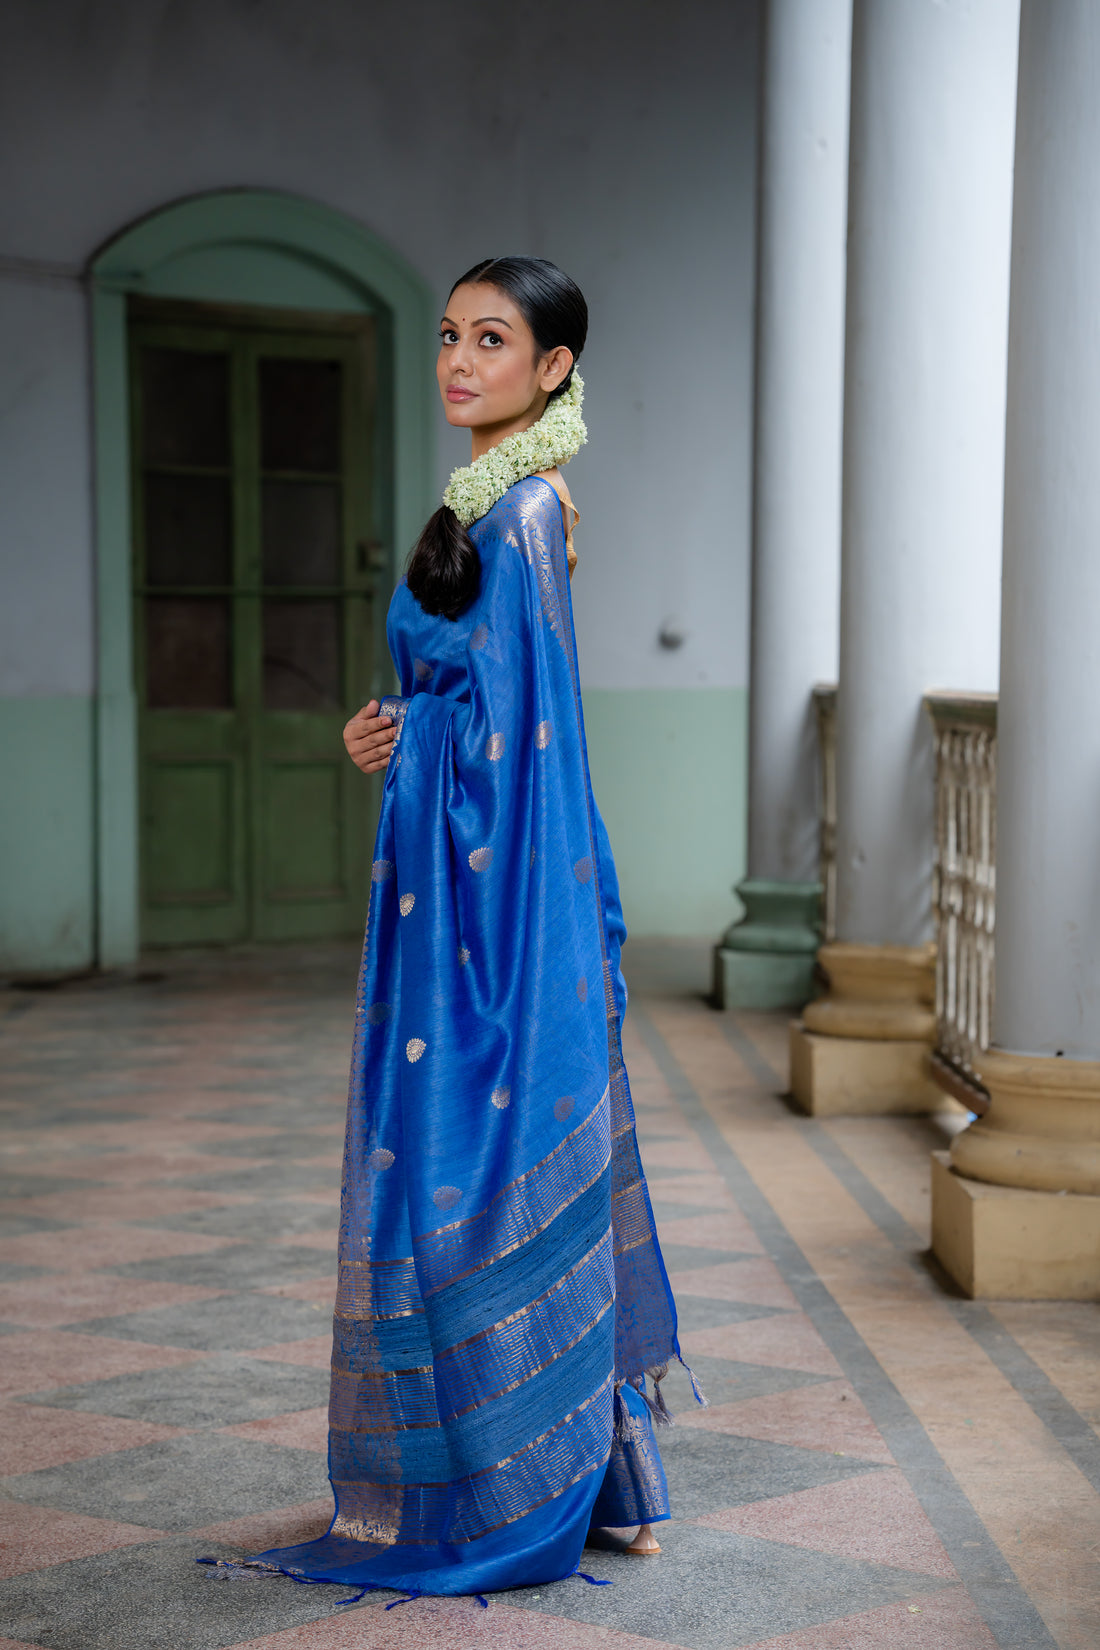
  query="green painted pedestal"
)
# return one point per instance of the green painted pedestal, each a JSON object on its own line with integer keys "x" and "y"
{"x": 766, "y": 960}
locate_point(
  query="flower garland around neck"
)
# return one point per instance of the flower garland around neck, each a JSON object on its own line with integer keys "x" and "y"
{"x": 557, "y": 437}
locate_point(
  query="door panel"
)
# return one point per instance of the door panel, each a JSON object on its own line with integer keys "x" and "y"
{"x": 253, "y": 622}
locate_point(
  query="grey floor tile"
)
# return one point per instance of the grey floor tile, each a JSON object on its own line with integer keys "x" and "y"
{"x": 225, "y": 1323}
{"x": 681, "y": 1256}
{"x": 265, "y": 1179}
{"x": 711, "y": 1470}
{"x": 282, "y": 1217}
{"x": 663, "y": 1211}
{"x": 16, "y": 1274}
{"x": 293, "y": 1143}
{"x": 21, "y": 1225}
{"x": 223, "y": 1390}
{"x": 42, "y": 1115}
{"x": 700, "y": 1312}
{"x": 725, "y": 1382}
{"x": 155, "y": 1597}
{"x": 712, "y": 1591}
{"x": 41, "y": 1185}
{"x": 243, "y": 1266}
{"x": 178, "y": 1484}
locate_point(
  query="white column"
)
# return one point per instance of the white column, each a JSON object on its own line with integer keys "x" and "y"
{"x": 799, "y": 370}
{"x": 767, "y": 958}
{"x": 1016, "y": 1206}
{"x": 926, "y": 322}
{"x": 933, "y": 107}
{"x": 1048, "y": 760}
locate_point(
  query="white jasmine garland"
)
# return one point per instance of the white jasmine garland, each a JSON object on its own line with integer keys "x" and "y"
{"x": 557, "y": 437}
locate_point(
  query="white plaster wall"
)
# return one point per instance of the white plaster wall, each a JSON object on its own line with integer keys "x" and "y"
{"x": 618, "y": 140}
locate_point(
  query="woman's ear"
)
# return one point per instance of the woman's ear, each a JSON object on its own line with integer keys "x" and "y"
{"x": 555, "y": 368}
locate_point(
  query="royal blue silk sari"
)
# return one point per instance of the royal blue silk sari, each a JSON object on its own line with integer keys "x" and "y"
{"x": 501, "y": 1292}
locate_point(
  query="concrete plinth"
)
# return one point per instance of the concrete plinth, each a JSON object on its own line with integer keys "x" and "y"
{"x": 858, "y": 1076}
{"x": 755, "y": 979}
{"x": 767, "y": 959}
{"x": 1008, "y": 1243}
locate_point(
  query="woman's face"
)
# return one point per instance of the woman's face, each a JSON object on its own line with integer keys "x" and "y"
{"x": 492, "y": 376}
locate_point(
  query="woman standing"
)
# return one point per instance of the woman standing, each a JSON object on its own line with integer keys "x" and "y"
{"x": 501, "y": 1296}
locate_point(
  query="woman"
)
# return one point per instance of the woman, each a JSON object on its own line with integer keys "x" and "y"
{"x": 501, "y": 1292}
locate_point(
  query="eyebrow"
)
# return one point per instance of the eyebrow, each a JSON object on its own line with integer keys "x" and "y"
{"x": 499, "y": 319}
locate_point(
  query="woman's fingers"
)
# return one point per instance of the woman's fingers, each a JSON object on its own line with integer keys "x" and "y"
{"x": 368, "y": 738}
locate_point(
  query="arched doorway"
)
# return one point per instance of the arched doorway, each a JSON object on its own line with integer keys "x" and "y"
{"x": 263, "y": 456}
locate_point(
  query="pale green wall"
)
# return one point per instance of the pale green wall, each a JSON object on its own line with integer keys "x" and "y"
{"x": 46, "y": 834}
{"x": 668, "y": 770}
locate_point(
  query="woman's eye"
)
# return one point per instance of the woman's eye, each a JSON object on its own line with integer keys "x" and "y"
{"x": 493, "y": 339}
{"x": 448, "y": 336}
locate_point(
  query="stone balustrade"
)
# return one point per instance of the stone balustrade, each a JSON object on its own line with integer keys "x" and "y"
{"x": 825, "y": 709}
{"x": 964, "y": 888}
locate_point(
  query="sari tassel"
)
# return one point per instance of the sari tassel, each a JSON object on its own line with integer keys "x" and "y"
{"x": 482, "y": 1600}
{"x": 407, "y": 1600}
{"x": 592, "y": 1580}
{"x": 700, "y": 1396}
{"x": 658, "y": 1409}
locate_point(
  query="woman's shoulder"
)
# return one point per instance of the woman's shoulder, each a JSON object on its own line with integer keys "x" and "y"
{"x": 536, "y": 502}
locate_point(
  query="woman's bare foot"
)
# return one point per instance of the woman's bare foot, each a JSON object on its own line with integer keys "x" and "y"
{"x": 644, "y": 1543}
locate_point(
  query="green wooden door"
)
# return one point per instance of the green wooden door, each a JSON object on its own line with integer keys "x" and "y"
{"x": 253, "y": 562}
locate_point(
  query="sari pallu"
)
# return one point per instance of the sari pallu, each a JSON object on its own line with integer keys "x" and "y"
{"x": 501, "y": 1294}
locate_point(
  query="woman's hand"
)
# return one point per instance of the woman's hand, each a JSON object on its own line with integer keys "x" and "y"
{"x": 369, "y": 738}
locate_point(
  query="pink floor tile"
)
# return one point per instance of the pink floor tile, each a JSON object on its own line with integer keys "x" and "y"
{"x": 450, "y": 1624}
{"x": 314, "y": 1353}
{"x": 83, "y": 1249}
{"x": 321, "y": 1291}
{"x": 33, "y": 1538}
{"x": 114, "y": 1203}
{"x": 676, "y": 1154}
{"x": 325, "y": 1241}
{"x": 36, "y": 1360}
{"x": 940, "y": 1621}
{"x": 707, "y": 1191}
{"x": 301, "y": 1429}
{"x": 140, "y": 1167}
{"x": 33, "y": 1436}
{"x": 789, "y": 1342}
{"x": 57, "y": 1298}
{"x": 828, "y": 1417}
{"x": 724, "y": 1229}
{"x": 757, "y": 1282}
{"x": 17, "y": 1644}
{"x": 321, "y": 1194}
{"x": 285, "y": 1527}
{"x": 876, "y": 1518}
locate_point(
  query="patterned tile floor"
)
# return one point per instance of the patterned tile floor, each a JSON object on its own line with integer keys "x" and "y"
{"x": 882, "y": 1464}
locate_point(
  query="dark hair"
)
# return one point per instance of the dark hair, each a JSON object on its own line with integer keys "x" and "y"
{"x": 445, "y": 569}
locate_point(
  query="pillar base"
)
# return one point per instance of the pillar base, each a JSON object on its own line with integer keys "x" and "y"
{"x": 766, "y": 959}
{"x": 753, "y": 979}
{"x": 1010, "y": 1243}
{"x": 859, "y": 1076}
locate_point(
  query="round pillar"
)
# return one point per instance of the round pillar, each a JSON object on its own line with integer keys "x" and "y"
{"x": 929, "y": 213}
{"x": 767, "y": 959}
{"x": 1036, "y": 1154}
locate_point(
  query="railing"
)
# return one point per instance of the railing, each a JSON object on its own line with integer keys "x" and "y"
{"x": 825, "y": 707}
{"x": 964, "y": 887}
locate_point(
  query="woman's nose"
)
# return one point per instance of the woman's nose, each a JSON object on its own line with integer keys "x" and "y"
{"x": 461, "y": 358}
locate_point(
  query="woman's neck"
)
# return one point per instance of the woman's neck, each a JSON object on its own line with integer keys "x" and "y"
{"x": 487, "y": 436}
